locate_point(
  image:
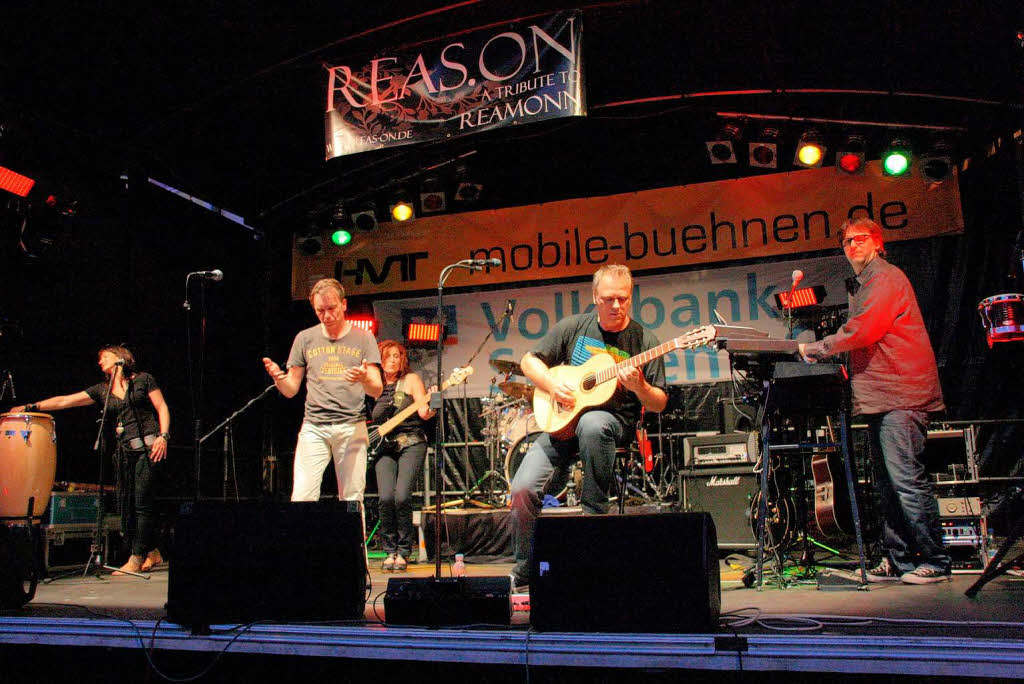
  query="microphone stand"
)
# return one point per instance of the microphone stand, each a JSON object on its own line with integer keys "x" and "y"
{"x": 439, "y": 433}
{"x": 196, "y": 389}
{"x": 228, "y": 442}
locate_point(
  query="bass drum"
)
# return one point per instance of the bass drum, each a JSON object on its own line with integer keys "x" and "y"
{"x": 565, "y": 485}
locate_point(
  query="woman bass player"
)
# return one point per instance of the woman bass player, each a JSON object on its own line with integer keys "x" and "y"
{"x": 399, "y": 455}
{"x": 143, "y": 421}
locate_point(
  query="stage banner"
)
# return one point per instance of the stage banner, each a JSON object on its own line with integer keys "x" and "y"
{"x": 500, "y": 76}
{"x": 777, "y": 214}
{"x": 668, "y": 305}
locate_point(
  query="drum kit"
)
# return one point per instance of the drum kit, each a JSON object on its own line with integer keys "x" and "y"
{"x": 510, "y": 428}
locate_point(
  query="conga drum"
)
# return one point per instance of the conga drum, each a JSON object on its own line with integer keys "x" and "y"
{"x": 1003, "y": 317}
{"x": 28, "y": 463}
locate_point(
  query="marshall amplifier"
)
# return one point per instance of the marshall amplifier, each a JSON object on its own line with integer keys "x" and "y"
{"x": 726, "y": 494}
{"x": 718, "y": 451}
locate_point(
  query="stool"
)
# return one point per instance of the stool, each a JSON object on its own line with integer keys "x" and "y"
{"x": 624, "y": 457}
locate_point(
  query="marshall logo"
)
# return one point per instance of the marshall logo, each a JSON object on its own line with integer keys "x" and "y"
{"x": 365, "y": 268}
{"x": 717, "y": 481}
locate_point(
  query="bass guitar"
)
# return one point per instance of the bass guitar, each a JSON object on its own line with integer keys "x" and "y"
{"x": 594, "y": 382}
{"x": 378, "y": 433}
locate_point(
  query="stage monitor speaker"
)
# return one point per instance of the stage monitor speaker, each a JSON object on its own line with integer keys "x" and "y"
{"x": 726, "y": 494}
{"x": 236, "y": 562}
{"x": 432, "y": 602}
{"x": 625, "y": 573}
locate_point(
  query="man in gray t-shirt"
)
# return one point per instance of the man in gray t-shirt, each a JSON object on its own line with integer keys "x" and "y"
{"x": 340, "y": 365}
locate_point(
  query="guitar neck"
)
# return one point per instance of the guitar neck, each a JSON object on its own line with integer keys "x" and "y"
{"x": 634, "y": 361}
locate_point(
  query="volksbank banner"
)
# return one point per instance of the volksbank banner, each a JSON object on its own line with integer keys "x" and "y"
{"x": 668, "y": 305}
{"x": 487, "y": 79}
{"x": 786, "y": 213}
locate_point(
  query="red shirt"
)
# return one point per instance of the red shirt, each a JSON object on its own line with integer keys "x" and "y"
{"x": 891, "y": 357}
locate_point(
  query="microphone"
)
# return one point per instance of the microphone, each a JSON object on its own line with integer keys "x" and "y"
{"x": 484, "y": 262}
{"x": 215, "y": 275}
{"x": 119, "y": 362}
{"x": 798, "y": 275}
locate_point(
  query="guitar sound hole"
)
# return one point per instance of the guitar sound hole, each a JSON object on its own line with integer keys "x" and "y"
{"x": 588, "y": 383}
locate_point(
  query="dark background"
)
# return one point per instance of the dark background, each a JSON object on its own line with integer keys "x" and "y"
{"x": 225, "y": 102}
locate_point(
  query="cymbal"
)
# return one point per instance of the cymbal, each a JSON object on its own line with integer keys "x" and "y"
{"x": 506, "y": 367}
{"x": 519, "y": 390}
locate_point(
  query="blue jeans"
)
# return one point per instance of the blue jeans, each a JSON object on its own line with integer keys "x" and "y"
{"x": 911, "y": 534}
{"x": 598, "y": 434}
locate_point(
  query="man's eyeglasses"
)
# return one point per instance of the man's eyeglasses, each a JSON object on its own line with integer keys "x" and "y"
{"x": 855, "y": 239}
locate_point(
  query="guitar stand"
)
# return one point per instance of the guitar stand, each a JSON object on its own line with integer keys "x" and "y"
{"x": 996, "y": 567}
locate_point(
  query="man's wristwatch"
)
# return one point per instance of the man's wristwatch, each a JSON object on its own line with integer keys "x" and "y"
{"x": 166, "y": 436}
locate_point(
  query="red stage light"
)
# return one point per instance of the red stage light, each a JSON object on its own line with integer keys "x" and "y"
{"x": 422, "y": 332}
{"x": 366, "y": 323}
{"x": 805, "y": 296}
{"x": 850, "y": 162}
{"x": 15, "y": 182}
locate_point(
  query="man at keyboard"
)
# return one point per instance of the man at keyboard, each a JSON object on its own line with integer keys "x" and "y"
{"x": 895, "y": 385}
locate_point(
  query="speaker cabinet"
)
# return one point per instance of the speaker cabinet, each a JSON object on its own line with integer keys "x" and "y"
{"x": 625, "y": 573}
{"x": 724, "y": 493}
{"x": 234, "y": 562}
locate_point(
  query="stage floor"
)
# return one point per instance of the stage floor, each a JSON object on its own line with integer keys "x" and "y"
{"x": 932, "y": 630}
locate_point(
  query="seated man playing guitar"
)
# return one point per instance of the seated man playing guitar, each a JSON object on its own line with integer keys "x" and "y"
{"x": 595, "y": 346}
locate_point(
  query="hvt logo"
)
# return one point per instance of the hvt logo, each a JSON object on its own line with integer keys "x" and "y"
{"x": 717, "y": 481}
{"x": 365, "y": 268}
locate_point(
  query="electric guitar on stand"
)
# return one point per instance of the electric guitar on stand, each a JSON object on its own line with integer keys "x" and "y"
{"x": 594, "y": 382}
{"x": 378, "y": 433}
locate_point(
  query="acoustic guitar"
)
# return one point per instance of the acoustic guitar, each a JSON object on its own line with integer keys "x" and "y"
{"x": 594, "y": 382}
{"x": 832, "y": 514}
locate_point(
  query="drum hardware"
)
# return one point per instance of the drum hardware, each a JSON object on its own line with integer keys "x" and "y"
{"x": 506, "y": 367}
{"x": 1002, "y": 316}
{"x": 519, "y": 390}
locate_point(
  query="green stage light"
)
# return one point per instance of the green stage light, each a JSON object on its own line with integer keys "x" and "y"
{"x": 896, "y": 159}
{"x": 341, "y": 237}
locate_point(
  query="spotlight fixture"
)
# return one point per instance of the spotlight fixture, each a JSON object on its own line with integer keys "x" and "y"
{"x": 764, "y": 152}
{"x": 467, "y": 190}
{"x": 365, "y": 218}
{"x": 310, "y": 242}
{"x": 401, "y": 206}
{"x": 720, "y": 148}
{"x": 810, "y": 150}
{"x": 340, "y": 233}
{"x": 432, "y": 197}
{"x": 850, "y": 155}
{"x": 937, "y": 164}
{"x": 897, "y": 157}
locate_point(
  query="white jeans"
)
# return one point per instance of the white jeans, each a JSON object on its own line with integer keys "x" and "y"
{"x": 317, "y": 445}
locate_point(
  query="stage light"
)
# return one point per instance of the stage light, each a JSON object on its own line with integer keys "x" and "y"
{"x": 764, "y": 152}
{"x": 14, "y": 182}
{"x": 401, "y": 206}
{"x": 721, "y": 149}
{"x": 432, "y": 196}
{"x": 810, "y": 150}
{"x": 367, "y": 323}
{"x": 897, "y": 158}
{"x": 422, "y": 332}
{"x": 805, "y": 296}
{"x": 310, "y": 241}
{"x": 850, "y": 155}
{"x": 365, "y": 218}
{"x": 937, "y": 164}
{"x": 341, "y": 237}
{"x": 467, "y": 189}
